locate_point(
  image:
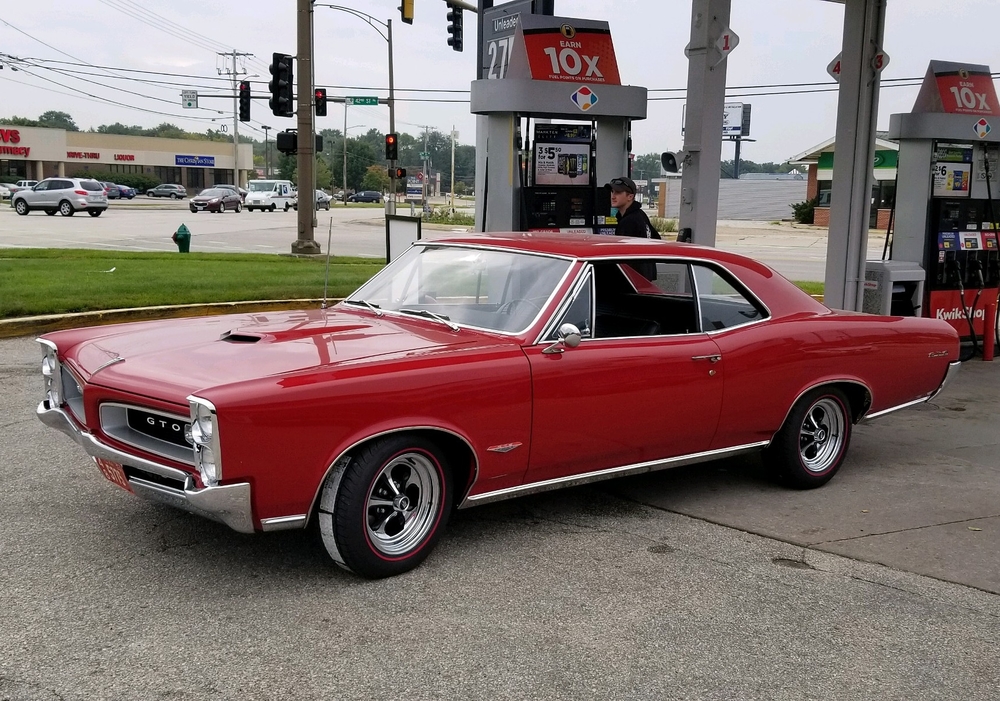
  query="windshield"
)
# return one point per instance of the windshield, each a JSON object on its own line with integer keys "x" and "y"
{"x": 261, "y": 185}
{"x": 488, "y": 289}
{"x": 214, "y": 193}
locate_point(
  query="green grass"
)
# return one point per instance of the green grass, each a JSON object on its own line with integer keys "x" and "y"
{"x": 55, "y": 281}
{"x": 813, "y": 288}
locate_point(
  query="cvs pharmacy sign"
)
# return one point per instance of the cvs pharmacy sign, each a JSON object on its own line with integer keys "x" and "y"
{"x": 12, "y": 136}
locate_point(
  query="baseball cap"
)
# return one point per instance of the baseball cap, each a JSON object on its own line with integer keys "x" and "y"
{"x": 622, "y": 185}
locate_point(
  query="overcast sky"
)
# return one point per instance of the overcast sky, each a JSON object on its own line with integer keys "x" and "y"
{"x": 782, "y": 42}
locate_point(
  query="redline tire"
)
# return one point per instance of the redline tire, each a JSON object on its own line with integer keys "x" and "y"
{"x": 810, "y": 448}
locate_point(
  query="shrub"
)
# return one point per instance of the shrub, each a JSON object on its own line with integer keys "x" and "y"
{"x": 442, "y": 215}
{"x": 803, "y": 211}
{"x": 664, "y": 226}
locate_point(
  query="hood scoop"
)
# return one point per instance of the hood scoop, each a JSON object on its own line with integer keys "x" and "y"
{"x": 237, "y": 337}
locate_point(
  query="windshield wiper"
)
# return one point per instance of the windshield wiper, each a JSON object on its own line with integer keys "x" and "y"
{"x": 431, "y": 315}
{"x": 365, "y": 303}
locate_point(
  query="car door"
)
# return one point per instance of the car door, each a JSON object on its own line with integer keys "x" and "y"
{"x": 35, "y": 196}
{"x": 644, "y": 387}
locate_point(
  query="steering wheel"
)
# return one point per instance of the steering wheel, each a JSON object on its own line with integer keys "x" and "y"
{"x": 511, "y": 306}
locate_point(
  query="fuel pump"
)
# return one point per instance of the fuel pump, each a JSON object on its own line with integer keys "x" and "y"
{"x": 945, "y": 214}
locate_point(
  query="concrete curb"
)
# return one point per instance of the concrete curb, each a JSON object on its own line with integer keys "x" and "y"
{"x": 31, "y": 325}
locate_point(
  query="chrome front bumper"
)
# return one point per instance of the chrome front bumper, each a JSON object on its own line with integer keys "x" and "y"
{"x": 228, "y": 504}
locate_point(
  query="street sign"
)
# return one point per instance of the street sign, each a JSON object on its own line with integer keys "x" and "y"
{"x": 424, "y": 155}
{"x": 727, "y": 41}
{"x": 880, "y": 60}
{"x": 362, "y": 101}
{"x": 189, "y": 99}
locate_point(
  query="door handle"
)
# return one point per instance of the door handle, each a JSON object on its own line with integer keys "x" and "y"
{"x": 710, "y": 358}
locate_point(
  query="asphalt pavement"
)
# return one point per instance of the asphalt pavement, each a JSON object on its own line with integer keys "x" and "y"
{"x": 707, "y": 582}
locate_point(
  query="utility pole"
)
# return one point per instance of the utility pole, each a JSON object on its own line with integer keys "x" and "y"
{"x": 345, "y": 153}
{"x": 425, "y": 154}
{"x": 267, "y": 153}
{"x": 236, "y": 116}
{"x": 306, "y": 242}
{"x": 391, "y": 205}
{"x": 452, "y": 168}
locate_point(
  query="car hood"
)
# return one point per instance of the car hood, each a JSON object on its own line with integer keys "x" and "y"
{"x": 206, "y": 198}
{"x": 171, "y": 359}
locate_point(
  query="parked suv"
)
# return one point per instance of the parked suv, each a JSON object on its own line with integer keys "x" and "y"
{"x": 365, "y": 196}
{"x": 64, "y": 195}
{"x": 176, "y": 192}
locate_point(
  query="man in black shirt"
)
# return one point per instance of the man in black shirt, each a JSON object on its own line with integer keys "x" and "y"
{"x": 632, "y": 221}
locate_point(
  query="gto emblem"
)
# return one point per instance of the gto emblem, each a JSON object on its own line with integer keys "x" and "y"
{"x": 163, "y": 424}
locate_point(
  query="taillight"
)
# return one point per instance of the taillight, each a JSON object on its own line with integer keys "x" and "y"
{"x": 80, "y": 192}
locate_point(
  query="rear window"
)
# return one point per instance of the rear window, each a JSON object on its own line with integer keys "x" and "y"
{"x": 91, "y": 186}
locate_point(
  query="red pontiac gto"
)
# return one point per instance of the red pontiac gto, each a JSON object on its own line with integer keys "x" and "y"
{"x": 477, "y": 368}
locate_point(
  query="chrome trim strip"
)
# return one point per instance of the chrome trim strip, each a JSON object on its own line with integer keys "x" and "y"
{"x": 585, "y": 274}
{"x": 283, "y": 523}
{"x": 949, "y": 375}
{"x": 599, "y": 475}
{"x": 344, "y": 453}
{"x": 111, "y": 362}
{"x": 229, "y": 504}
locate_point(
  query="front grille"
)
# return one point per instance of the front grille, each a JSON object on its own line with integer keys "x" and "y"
{"x": 151, "y": 430}
{"x": 137, "y": 473}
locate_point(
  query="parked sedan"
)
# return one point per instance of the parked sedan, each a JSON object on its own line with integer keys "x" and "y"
{"x": 322, "y": 201}
{"x": 126, "y": 191}
{"x": 176, "y": 192}
{"x": 217, "y": 199}
{"x": 4, "y": 192}
{"x": 365, "y": 196}
{"x": 478, "y": 368}
{"x": 64, "y": 195}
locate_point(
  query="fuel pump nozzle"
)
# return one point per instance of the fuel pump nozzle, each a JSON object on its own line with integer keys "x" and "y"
{"x": 976, "y": 268}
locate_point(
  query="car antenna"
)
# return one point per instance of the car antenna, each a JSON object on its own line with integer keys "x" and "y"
{"x": 326, "y": 278}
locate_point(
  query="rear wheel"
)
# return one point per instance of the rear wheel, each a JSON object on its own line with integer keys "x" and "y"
{"x": 21, "y": 207}
{"x": 174, "y": 196}
{"x": 810, "y": 447}
{"x": 66, "y": 209}
{"x": 94, "y": 212}
{"x": 382, "y": 511}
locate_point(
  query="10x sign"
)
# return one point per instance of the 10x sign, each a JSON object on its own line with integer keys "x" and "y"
{"x": 572, "y": 54}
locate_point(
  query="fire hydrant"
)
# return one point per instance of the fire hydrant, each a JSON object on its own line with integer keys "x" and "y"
{"x": 182, "y": 237}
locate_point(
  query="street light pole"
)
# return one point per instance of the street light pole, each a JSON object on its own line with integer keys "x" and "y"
{"x": 267, "y": 160}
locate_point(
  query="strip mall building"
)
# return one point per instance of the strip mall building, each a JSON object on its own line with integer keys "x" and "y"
{"x": 32, "y": 153}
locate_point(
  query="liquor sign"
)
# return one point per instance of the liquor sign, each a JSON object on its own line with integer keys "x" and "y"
{"x": 566, "y": 49}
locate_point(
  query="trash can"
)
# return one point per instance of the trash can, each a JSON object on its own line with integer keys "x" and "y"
{"x": 182, "y": 237}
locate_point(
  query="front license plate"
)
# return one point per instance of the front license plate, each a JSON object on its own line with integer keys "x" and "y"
{"x": 113, "y": 472}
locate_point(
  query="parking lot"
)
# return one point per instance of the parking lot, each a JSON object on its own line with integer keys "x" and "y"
{"x": 798, "y": 252}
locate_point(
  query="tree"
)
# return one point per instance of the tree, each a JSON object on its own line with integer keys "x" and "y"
{"x": 21, "y": 122}
{"x": 376, "y": 178}
{"x": 323, "y": 175}
{"x": 287, "y": 169}
{"x": 57, "y": 120}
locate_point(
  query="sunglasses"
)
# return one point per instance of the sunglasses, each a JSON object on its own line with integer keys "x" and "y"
{"x": 618, "y": 182}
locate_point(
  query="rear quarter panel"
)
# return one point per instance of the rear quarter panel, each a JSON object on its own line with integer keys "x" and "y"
{"x": 768, "y": 365}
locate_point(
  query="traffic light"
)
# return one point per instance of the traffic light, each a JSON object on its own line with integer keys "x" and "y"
{"x": 400, "y": 173}
{"x": 455, "y": 27}
{"x": 391, "y": 147}
{"x": 406, "y": 11}
{"x": 320, "y": 102}
{"x": 281, "y": 85}
{"x": 245, "y": 101}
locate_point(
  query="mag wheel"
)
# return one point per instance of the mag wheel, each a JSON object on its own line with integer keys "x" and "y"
{"x": 382, "y": 511}
{"x": 810, "y": 447}
{"x": 66, "y": 209}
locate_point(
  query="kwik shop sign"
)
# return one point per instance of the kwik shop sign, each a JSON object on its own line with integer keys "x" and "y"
{"x": 12, "y": 136}
{"x": 205, "y": 161}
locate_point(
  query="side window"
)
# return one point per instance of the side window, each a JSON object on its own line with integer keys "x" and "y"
{"x": 580, "y": 311}
{"x": 42, "y": 186}
{"x": 722, "y": 301}
{"x": 643, "y": 298}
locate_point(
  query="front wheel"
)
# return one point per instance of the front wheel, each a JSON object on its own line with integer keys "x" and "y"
{"x": 222, "y": 208}
{"x": 66, "y": 209}
{"x": 239, "y": 207}
{"x": 382, "y": 511}
{"x": 50, "y": 212}
{"x": 810, "y": 448}
{"x": 271, "y": 209}
{"x": 21, "y": 207}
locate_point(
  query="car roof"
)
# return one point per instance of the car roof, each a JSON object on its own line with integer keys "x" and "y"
{"x": 780, "y": 295}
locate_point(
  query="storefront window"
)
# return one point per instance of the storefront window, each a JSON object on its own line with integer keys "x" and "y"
{"x": 119, "y": 168}
{"x": 167, "y": 175}
{"x": 196, "y": 178}
{"x": 224, "y": 176}
{"x": 824, "y": 188}
{"x": 17, "y": 169}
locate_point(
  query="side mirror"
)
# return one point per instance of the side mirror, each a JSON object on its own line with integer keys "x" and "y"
{"x": 569, "y": 337}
